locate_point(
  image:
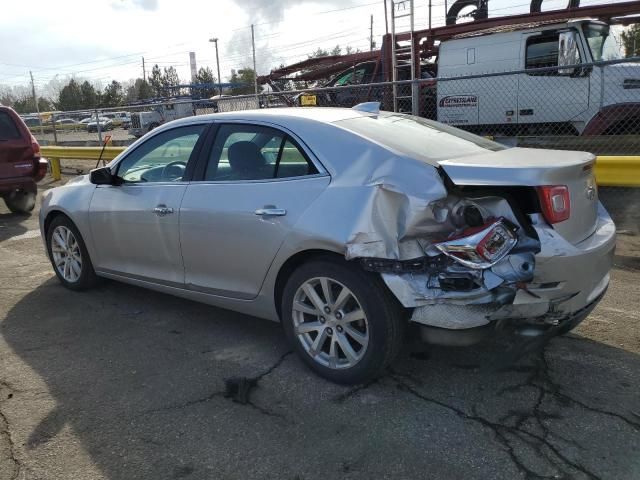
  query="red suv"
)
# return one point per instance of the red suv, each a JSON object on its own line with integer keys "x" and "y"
{"x": 20, "y": 163}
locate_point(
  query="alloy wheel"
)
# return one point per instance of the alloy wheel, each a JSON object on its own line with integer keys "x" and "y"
{"x": 66, "y": 254}
{"x": 330, "y": 323}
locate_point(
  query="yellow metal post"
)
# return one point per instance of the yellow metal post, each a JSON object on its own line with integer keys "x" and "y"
{"x": 55, "y": 168}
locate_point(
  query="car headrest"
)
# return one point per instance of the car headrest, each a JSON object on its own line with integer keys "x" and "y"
{"x": 245, "y": 157}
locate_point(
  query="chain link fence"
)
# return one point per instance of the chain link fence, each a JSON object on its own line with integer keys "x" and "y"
{"x": 590, "y": 107}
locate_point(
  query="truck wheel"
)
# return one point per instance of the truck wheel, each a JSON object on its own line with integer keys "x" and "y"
{"x": 152, "y": 126}
{"x": 342, "y": 321}
{"x": 20, "y": 201}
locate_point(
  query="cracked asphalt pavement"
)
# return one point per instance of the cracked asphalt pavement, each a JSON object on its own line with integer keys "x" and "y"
{"x": 124, "y": 383}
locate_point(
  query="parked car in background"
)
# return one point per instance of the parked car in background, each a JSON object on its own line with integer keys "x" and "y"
{"x": 20, "y": 163}
{"x": 105, "y": 124}
{"x": 396, "y": 219}
{"x": 66, "y": 121}
{"x": 31, "y": 121}
{"x": 87, "y": 120}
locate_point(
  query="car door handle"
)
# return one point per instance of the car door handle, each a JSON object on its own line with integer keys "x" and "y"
{"x": 162, "y": 210}
{"x": 271, "y": 212}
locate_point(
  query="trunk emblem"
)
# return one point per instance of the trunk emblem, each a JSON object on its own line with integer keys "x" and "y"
{"x": 590, "y": 192}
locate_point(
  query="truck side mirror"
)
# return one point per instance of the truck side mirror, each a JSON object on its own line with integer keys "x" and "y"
{"x": 567, "y": 52}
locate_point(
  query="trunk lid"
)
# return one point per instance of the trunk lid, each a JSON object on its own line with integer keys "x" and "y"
{"x": 534, "y": 168}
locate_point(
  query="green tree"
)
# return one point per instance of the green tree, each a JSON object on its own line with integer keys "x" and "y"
{"x": 70, "y": 97}
{"x": 112, "y": 96}
{"x": 631, "y": 40}
{"x": 169, "y": 79}
{"x": 89, "y": 95}
{"x": 205, "y": 75}
{"x": 319, "y": 52}
{"x": 245, "y": 77}
{"x": 155, "y": 81}
{"x": 24, "y": 104}
{"x": 140, "y": 90}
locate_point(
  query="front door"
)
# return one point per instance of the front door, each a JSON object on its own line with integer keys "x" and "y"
{"x": 135, "y": 225}
{"x": 551, "y": 95}
{"x": 257, "y": 183}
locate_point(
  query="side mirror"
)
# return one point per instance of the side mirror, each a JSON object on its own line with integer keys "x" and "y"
{"x": 567, "y": 52}
{"x": 102, "y": 176}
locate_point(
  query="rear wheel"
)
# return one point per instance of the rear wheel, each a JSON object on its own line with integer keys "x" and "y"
{"x": 69, "y": 255}
{"x": 342, "y": 321}
{"x": 20, "y": 201}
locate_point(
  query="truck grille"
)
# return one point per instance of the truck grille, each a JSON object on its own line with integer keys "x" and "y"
{"x": 135, "y": 120}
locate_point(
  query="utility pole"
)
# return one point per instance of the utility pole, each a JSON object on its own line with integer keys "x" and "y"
{"x": 215, "y": 40}
{"x": 144, "y": 71}
{"x": 35, "y": 101}
{"x": 371, "y": 35}
{"x": 386, "y": 19}
{"x": 255, "y": 71}
{"x": 429, "y": 14}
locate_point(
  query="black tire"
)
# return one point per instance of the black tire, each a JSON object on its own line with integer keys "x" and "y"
{"x": 87, "y": 277}
{"x": 384, "y": 315}
{"x": 20, "y": 201}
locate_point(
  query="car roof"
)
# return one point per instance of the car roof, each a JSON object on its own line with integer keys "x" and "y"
{"x": 319, "y": 114}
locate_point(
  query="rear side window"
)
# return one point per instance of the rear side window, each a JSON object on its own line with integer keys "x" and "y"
{"x": 8, "y": 128}
{"x": 419, "y": 138}
{"x": 253, "y": 152}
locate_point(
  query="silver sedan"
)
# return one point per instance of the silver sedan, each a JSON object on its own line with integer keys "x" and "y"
{"x": 346, "y": 225}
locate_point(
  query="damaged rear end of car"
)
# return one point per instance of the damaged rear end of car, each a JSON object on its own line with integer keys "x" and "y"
{"x": 485, "y": 238}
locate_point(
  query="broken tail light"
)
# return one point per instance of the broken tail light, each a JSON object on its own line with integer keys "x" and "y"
{"x": 481, "y": 247}
{"x": 555, "y": 203}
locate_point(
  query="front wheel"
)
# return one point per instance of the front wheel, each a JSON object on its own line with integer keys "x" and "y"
{"x": 341, "y": 321}
{"x": 69, "y": 255}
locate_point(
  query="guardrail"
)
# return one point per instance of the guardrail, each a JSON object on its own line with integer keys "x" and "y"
{"x": 610, "y": 171}
{"x": 55, "y": 154}
{"x": 618, "y": 171}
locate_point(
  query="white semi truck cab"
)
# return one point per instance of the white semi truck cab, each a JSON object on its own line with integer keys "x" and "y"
{"x": 143, "y": 122}
{"x": 552, "y": 89}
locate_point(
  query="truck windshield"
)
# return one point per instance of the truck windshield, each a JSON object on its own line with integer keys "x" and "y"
{"x": 419, "y": 138}
{"x": 602, "y": 42}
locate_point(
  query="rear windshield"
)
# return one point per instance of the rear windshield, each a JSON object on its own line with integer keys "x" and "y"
{"x": 419, "y": 138}
{"x": 8, "y": 128}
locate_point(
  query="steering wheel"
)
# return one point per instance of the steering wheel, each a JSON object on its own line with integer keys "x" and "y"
{"x": 174, "y": 171}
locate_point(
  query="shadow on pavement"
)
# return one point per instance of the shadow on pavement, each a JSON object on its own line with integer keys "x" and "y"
{"x": 11, "y": 225}
{"x": 145, "y": 382}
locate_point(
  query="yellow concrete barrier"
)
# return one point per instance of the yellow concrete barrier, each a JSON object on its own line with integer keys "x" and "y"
{"x": 54, "y": 154}
{"x": 611, "y": 171}
{"x": 618, "y": 171}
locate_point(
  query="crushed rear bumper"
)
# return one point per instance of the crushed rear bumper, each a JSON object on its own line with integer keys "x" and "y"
{"x": 568, "y": 280}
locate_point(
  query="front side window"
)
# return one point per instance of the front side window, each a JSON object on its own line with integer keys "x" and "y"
{"x": 253, "y": 152}
{"x": 162, "y": 158}
{"x": 542, "y": 52}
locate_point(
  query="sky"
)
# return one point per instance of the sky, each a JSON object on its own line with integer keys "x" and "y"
{"x": 102, "y": 40}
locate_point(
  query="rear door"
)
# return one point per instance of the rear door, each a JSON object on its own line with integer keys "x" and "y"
{"x": 16, "y": 152}
{"x": 250, "y": 192}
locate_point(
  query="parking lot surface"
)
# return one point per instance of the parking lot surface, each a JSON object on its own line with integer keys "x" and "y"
{"x": 124, "y": 383}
